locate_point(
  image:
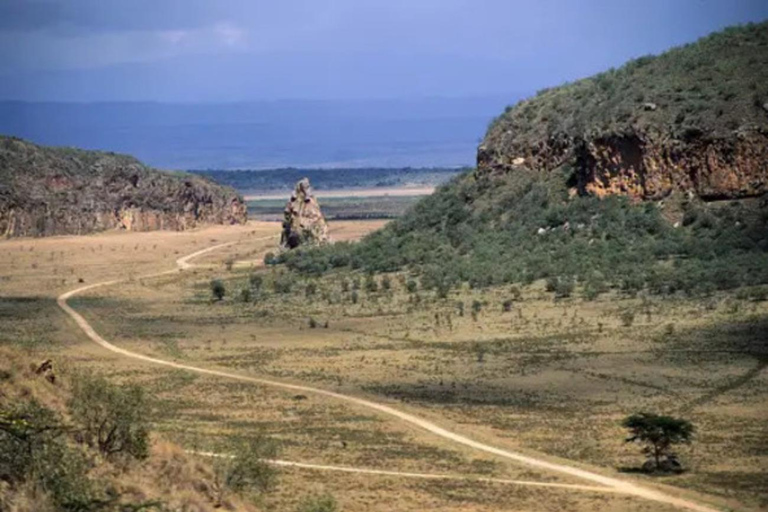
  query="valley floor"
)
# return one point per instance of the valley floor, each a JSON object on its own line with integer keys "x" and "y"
{"x": 548, "y": 379}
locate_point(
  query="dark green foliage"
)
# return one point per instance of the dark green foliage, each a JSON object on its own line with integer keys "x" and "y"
{"x": 112, "y": 418}
{"x": 489, "y": 228}
{"x": 246, "y": 295}
{"x": 411, "y": 286}
{"x": 386, "y": 283}
{"x": 34, "y": 448}
{"x": 658, "y": 434}
{"x": 270, "y": 258}
{"x": 218, "y": 290}
{"x": 485, "y": 232}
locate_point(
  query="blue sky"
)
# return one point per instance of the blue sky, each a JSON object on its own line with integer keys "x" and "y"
{"x": 226, "y": 50}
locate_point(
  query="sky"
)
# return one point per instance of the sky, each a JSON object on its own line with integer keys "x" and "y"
{"x": 230, "y": 51}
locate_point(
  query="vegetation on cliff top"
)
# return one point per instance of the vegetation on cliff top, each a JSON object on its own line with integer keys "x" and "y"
{"x": 716, "y": 85}
{"x": 52, "y": 190}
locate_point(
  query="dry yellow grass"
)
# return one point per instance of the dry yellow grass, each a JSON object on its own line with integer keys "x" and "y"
{"x": 549, "y": 378}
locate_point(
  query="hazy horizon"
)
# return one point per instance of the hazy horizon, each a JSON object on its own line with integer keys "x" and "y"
{"x": 331, "y": 83}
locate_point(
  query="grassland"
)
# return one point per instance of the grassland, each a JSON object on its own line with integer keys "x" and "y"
{"x": 548, "y": 377}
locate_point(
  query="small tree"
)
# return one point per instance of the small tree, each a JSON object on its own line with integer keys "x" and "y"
{"x": 247, "y": 470}
{"x": 217, "y": 289}
{"x": 113, "y": 418}
{"x": 658, "y": 434}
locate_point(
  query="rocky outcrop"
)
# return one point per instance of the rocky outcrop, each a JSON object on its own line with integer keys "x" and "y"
{"x": 304, "y": 223}
{"x": 691, "y": 120}
{"x": 57, "y": 191}
{"x": 645, "y": 166}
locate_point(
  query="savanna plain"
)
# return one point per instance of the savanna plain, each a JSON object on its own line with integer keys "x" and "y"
{"x": 511, "y": 366}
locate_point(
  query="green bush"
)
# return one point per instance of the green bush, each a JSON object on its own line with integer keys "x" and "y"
{"x": 218, "y": 290}
{"x": 246, "y": 470}
{"x": 112, "y": 418}
{"x": 34, "y": 449}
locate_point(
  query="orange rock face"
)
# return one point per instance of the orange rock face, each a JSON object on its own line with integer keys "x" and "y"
{"x": 646, "y": 168}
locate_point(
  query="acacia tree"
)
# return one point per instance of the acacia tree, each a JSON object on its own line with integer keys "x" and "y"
{"x": 658, "y": 434}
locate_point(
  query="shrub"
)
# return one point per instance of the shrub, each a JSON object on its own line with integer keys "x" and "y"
{"x": 310, "y": 290}
{"x": 312, "y": 323}
{"x": 34, "y": 450}
{"x": 247, "y": 470}
{"x": 113, "y": 418}
{"x": 283, "y": 283}
{"x": 270, "y": 259}
{"x": 627, "y": 318}
{"x": 322, "y": 503}
{"x": 245, "y": 295}
{"x": 386, "y": 283}
{"x": 256, "y": 281}
{"x": 411, "y": 286}
{"x": 371, "y": 286}
{"x": 218, "y": 289}
{"x": 506, "y": 306}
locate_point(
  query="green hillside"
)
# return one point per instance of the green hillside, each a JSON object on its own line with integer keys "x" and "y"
{"x": 490, "y": 227}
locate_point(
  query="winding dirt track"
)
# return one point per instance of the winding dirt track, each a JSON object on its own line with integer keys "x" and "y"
{"x": 611, "y": 484}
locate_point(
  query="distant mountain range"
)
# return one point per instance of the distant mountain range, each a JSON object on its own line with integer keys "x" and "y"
{"x": 257, "y": 135}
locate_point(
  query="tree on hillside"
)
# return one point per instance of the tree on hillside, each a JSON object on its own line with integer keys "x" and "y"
{"x": 217, "y": 289}
{"x": 658, "y": 434}
{"x": 113, "y": 418}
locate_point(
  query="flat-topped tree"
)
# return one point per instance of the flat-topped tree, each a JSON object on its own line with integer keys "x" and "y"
{"x": 658, "y": 434}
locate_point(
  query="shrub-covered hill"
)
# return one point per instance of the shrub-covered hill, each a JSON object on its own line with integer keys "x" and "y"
{"x": 694, "y": 118}
{"x": 561, "y": 178}
{"x": 78, "y": 442}
{"x": 55, "y": 191}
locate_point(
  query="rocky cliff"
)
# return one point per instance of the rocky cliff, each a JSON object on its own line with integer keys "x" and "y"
{"x": 694, "y": 119}
{"x": 55, "y": 191}
{"x": 304, "y": 223}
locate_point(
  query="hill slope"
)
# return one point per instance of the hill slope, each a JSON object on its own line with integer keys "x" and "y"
{"x": 56, "y": 191}
{"x": 556, "y": 194}
{"x": 694, "y": 118}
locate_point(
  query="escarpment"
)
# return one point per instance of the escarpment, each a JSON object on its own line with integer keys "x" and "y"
{"x": 58, "y": 191}
{"x": 693, "y": 120}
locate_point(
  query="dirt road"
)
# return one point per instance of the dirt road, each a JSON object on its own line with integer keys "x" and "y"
{"x": 612, "y": 484}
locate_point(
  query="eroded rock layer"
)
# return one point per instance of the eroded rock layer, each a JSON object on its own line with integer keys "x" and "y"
{"x": 693, "y": 119}
{"x": 646, "y": 167}
{"x": 58, "y": 191}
